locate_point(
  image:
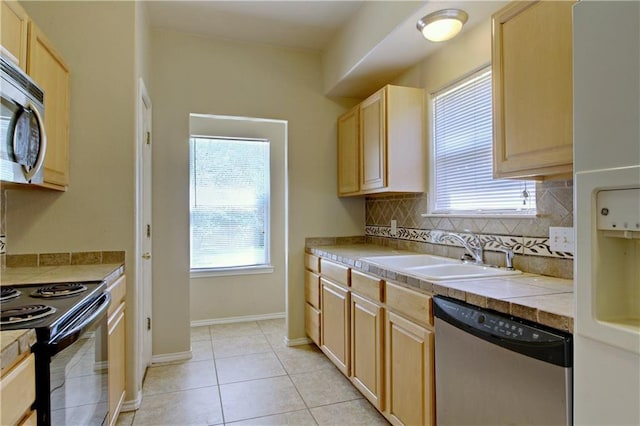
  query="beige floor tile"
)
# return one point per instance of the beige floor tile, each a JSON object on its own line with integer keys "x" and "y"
{"x": 322, "y": 387}
{"x": 351, "y": 413}
{"x": 243, "y": 345}
{"x": 201, "y": 350}
{"x": 303, "y": 359}
{"x": 295, "y": 418}
{"x": 190, "y": 407}
{"x": 175, "y": 377}
{"x": 276, "y": 340}
{"x": 125, "y": 419}
{"x": 276, "y": 325}
{"x": 236, "y": 329}
{"x": 200, "y": 333}
{"x": 248, "y": 367}
{"x": 257, "y": 398}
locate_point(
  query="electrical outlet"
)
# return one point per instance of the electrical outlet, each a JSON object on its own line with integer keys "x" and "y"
{"x": 561, "y": 239}
{"x": 394, "y": 227}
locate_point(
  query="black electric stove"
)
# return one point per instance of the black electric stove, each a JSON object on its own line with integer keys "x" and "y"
{"x": 61, "y": 315}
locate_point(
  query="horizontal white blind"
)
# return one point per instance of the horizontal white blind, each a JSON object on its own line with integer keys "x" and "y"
{"x": 463, "y": 150}
{"x": 229, "y": 202}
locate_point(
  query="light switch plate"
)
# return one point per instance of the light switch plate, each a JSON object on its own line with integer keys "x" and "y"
{"x": 561, "y": 239}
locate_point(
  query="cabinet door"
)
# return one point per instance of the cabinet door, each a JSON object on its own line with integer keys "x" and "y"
{"x": 410, "y": 380}
{"x": 334, "y": 326}
{"x": 49, "y": 70}
{"x": 373, "y": 148}
{"x": 366, "y": 349}
{"x": 533, "y": 96}
{"x": 348, "y": 153}
{"x": 116, "y": 350}
{"x": 13, "y": 32}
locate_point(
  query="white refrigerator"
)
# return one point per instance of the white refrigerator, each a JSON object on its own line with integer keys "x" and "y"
{"x": 606, "y": 70}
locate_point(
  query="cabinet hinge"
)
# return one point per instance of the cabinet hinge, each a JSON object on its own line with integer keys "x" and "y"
{"x": 148, "y": 323}
{"x": 148, "y": 138}
{"x": 148, "y": 231}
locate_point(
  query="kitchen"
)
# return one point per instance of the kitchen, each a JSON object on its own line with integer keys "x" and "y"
{"x": 108, "y": 47}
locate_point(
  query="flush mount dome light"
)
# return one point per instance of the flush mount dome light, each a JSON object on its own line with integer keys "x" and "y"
{"x": 442, "y": 25}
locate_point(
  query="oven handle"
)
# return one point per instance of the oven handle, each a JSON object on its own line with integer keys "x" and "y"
{"x": 88, "y": 317}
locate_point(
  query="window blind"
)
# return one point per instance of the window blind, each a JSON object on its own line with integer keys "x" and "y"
{"x": 463, "y": 151}
{"x": 229, "y": 203}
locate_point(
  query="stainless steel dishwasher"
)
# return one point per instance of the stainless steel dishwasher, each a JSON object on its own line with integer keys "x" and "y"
{"x": 495, "y": 369}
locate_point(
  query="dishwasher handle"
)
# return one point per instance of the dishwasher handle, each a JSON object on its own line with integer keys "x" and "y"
{"x": 516, "y": 334}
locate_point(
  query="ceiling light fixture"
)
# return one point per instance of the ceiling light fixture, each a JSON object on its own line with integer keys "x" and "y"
{"x": 442, "y": 25}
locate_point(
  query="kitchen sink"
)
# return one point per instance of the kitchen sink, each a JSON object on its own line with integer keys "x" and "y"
{"x": 403, "y": 262}
{"x": 458, "y": 271}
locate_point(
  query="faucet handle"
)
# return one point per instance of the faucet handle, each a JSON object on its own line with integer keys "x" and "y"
{"x": 508, "y": 257}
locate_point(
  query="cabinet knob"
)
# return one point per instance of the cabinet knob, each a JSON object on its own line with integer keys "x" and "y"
{"x": 146, "y": 256}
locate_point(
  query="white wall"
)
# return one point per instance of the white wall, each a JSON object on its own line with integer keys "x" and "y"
{"x": 96, "y": 39}
{"x": 198, "y": 75}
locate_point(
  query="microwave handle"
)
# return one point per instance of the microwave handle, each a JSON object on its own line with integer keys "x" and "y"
{"x": 28, "y": 174}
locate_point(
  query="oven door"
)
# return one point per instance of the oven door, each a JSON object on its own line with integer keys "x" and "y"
{"x": 78, "y": 372}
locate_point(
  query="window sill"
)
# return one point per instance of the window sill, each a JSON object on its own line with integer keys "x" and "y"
{"x": 225, "y": 272}
{"x": 485, "y": 215}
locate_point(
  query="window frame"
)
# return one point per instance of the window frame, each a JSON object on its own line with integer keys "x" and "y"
{"x": 530, "y": 213}
{"x": 260, "y": 268}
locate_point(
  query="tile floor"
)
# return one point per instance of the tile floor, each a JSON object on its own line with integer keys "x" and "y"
{"x": 243, "y": 374}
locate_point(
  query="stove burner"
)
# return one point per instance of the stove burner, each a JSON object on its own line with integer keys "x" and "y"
{"x": 26, "y": 313}
{"x": 59, "y": 290}
{"x": 9, "y": 293}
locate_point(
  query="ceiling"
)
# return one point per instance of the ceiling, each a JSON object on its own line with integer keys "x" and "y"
{"x": 296, "y": 24}
{"x": 312, "y": 25}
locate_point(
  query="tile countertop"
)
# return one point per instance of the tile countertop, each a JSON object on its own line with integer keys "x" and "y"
{"x": 542, "y": 299}
{"x": 14, "y": 343}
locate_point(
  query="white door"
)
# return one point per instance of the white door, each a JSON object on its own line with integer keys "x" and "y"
{"x": 145, "y": 231}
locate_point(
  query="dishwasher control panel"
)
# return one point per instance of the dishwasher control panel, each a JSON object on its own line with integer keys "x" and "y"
{"x": 495, "y": 324}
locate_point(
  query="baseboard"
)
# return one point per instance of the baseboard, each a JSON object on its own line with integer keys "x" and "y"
{"x": 173, "y": 357}
{"x": 229, "y": 320}
{"x": 133, "y": 404}
{"x": 297, "y": 342}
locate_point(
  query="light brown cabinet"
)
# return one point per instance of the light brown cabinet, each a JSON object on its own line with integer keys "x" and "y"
{"x": 312, "y": 297}
{"x": 47, "y": 67}
{"x": 380, "y": 335}
{"x": 391, "y": 155}
{"x": 532, "y": 90}
{"x": 409, "y": 372}
{"x": 116, "y": 347}
{"x": 18, "y": 392}
{"x": 367, "y": 369}
{"x": 13, "y": 32}
{"x": 334, "y": 324}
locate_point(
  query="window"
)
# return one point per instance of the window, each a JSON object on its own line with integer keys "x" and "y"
{"x": 462, "y": 178}
{"x": 229, "y": 202}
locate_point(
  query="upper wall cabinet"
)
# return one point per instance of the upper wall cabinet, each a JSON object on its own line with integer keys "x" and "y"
{"x": 13, "y": 33}
{"x": 381, "y": 144}
{"x": 46, "y": 66}
{"x": 532, "y": 90}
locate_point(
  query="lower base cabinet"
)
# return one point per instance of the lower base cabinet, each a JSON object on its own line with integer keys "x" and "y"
{"x": 409, "y": 372}
{"x": 116, "y": 347}
{"x": 367, "y": 333}
{"x": 18, "y": 392}
{"x": 334, "y": 326}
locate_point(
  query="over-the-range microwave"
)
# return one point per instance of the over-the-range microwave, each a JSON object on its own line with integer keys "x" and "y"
{"x": 22, "y": 132}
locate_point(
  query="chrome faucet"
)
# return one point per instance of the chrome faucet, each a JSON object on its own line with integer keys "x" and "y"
{"x": 508, "y": 253}
{"x": 475, "y": 250}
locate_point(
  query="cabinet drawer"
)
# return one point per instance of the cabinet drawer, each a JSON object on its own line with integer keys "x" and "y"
{"x": 18, "y": 391}
{"x": 312, "y": 288}
{"x": 412, "y": 304}
{"x": 335, "y": 272}
{"x": 367, "y": 285}
{"x": 312, "y": 323}
{"x": 118, "y": 290}
{"x": 312, "y": 262}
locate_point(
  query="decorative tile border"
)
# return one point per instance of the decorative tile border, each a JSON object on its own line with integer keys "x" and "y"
{"x": 3, "y": 244}
{"x": 63, "y": 259}
{"x": 528, "y": 246}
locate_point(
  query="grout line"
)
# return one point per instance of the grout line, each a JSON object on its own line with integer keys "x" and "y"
{"x": 215, "y": 370}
